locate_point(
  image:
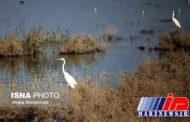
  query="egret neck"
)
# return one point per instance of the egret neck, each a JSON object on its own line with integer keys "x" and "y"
{"x": 173, "y": 15}
{"x": 63, "y": 66}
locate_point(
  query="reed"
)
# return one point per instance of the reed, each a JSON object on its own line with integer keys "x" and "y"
{"x": 154, "y": 77}
{"x": 82, "y": 44}
{"x": 174, "y": 40}
{"x": 10, "y": 46}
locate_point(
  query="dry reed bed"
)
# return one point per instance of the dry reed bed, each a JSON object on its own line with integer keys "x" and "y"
{"x": 154, "y": 78}
{"x": 33, "y": 42}
{"x": 91, "y": 103}
{"x": 171, "y": 41}
{"x": 10, "y": 46}
{"x": 169, "y": 73}
{"x": 174, "y": 40}
{"x": 82, "y": 44}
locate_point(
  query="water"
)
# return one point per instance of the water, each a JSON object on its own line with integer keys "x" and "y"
{"x": 46, "y": 68}
{"x": 79, "y": 17}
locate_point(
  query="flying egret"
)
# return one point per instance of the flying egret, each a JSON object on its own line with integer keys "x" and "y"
{"x": 176, "y": 22}
{"x": 69, "y": 79}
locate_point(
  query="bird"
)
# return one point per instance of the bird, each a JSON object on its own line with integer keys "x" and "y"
{"x": 95, "y": 9}
{"x": 143, "y": 13}
{"x": 179, "y": 11}
{"x": 69, "y": 79}
{"x": 176, "y": 22}
{"x": 21, "y": 2}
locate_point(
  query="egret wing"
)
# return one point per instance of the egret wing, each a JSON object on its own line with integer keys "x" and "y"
{"x": 70, "y": 80}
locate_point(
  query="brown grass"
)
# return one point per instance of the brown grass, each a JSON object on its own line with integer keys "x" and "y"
{"x": 10, "y": 46}
{"x": 30, "y": 44}
{"x": 169, "y": 73}
{"x": 81, "y": 44}
{"x": 91, "y": 103}
{"x": 174, "y": 40}
{"x": 154, "y": 78}
{"x": 33, "y": 41}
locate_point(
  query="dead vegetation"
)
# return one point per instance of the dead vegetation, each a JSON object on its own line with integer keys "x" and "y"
{"x": 170, "y": 73}
{"x": 33, "y": 42}
{"x": 28, "y": 45}
{"x": 174, "y": 40}
{"x": 171, "y": 41}
{"x": 10, "y": 46}
{"x": 153, "y": 78}
{"x": 82, "y": 44}
{"x": 148, "y": 31}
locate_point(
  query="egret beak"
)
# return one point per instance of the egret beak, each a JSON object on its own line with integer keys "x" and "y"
{"x": 58, "y": 59}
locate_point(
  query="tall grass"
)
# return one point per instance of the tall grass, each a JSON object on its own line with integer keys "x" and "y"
{"x": 156, "y": 78}
{"x": 153, "y": 78}
{"x": 82, "y": 44}
{"x": 174, "y": 40}
{"x": 33, "y": 42}
{"x": 10, "y": 46}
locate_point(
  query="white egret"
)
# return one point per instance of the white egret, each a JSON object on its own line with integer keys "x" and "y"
{"x": 176, "y": 22}
{"x": 179, "y": 11}
{"x": 95, "y": 9}
{"x": 143, "y": 13}
{"x": 69, "y": 79}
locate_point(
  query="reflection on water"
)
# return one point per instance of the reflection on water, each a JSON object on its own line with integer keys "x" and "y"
{"x": 123, "y": 56}
{"x": 86, "y": 59}
{"x": 44, "y": 68}
{"x": 79, "y": 17}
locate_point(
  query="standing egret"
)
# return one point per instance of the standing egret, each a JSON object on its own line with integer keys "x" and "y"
{"x": 95, "y": 9}
{"x": 176, "y": 22}
{"x": 69, "y": 79}
{"x": 143, "y": 13}
{"x": 179, "y": 11}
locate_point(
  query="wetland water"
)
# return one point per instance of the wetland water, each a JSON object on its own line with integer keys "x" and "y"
{"x": 79, "y": 18}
